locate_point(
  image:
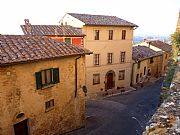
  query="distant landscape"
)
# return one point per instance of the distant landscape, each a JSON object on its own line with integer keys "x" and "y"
{"x": 138, "y": 39}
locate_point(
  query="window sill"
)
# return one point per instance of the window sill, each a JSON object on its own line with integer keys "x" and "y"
{"x": 49, "y": 109}
{"x": 96, "y": 83}
{"x": 48, "y": 86}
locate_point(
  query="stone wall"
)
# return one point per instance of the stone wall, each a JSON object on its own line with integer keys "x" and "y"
{"x": 18, "y": 94}
{"x": 166, "y": 121}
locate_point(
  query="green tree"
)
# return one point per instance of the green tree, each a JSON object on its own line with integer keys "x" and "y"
{"x": 175, "y": 39}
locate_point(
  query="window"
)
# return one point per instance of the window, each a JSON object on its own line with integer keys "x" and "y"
{"x": 123, "y": 34}
{"x": 140, "y": 75}
{"x": 144, "y": 70}
{"x": 96, "y": 79}
{"x": 137, "y": 78}
{"x": 110, "y": 34}
{"x": 122, "y": 57}
{"x": 109, "y": 60}
{"x": 47, "y": 77}
{"x": 67, "y": 40}
{"x": 96, "y": 34}
{"x": 121, "y": 74}
{"x": 96, "y": 59}
{"x": 151, "y": 60}
{"x": 139, "y": 64}
{"x": 49, "y": 104}
{"x": 166, "y": 56}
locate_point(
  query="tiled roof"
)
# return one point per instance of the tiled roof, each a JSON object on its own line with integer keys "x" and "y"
{"x": 52, "y": 30}
{"x": 22, "y": 48}
{"x": 161, "y": 45}
{"x": 102, "y": 20}
{"x": 142, "y": 52}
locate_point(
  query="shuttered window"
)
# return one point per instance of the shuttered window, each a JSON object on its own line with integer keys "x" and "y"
{"x": 67, "y": 40}
{"x": 47, "y": 77}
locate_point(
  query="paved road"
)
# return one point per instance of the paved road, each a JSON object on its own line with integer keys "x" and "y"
{"x": 125, "y": 114}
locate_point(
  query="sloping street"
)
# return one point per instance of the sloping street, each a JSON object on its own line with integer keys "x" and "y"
{"x": 125, "y": 114}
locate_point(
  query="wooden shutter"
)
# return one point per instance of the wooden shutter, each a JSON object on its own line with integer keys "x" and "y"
{"x": 38, "y": 80}
{"x": 56, "y": 75}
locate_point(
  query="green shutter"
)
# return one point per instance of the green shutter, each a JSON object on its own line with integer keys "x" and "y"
{"x": 56, "y": 75}
{"x": 38, "y": 80}
{"x": 67, "y": 40}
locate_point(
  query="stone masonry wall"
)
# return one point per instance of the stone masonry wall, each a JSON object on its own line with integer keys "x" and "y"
{"x": 18, "y": 94}
{"x": 166, "y": 121}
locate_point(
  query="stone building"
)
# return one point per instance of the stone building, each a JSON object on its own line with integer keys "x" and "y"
{"x": 158, "y": 45}
{"x": 35, "y": 96}
{"x": 111, "y": 39}
{"x": 147, "y": 63}
{"x": 63, "y": 33}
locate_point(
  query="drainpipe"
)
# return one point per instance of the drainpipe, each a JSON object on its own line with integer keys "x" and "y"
{"x": 76, "y": 75}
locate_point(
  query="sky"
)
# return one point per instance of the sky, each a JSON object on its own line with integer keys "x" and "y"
{"x": 154, "y": 17}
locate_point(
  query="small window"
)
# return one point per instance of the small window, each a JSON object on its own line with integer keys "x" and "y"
{"x": 96, "y": 79}
{"x": 96, "y": 35}
{"x": 121, "y": 74}
{"x": 123, "y": 34}
{"x": 137, "y": 78}
{"x": 140, "y": 75}
{"x": 47, "y": 77}
{"x": 110, "y": 34}
{"x": 139, "y": 65}
{"x": 122, "y": 57}
{"x": 144, "y": 70}
{"x": 151, "y": 60}
{"x": 109, "y": 58}
{"x": 166, "y": 56}
{"x": 49, "y": 104}
{"x": 67, "y": 40}
{"x": 96, "y": 59}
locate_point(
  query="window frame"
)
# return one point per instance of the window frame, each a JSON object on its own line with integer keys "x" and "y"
{"x": 123, "y": 35}
{"x": 96, "y": 59}
{"x": 122, "y": 57}
{"x": 138, "y": 64}
{"x": 49, "y": 105}
{"x": 151, "y": 60}
{"x": 121, "y": 72}
{"x": 109, "y": 58}
{"x": 96, "y": 34}
{"x": 68, "y": 41}
{"x": 94, "y": 80}
{"x": 110, "y": 35}
{"x": 54, "y": 78}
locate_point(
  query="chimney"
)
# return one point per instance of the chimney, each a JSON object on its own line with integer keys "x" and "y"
{"x": 28, "y": 27}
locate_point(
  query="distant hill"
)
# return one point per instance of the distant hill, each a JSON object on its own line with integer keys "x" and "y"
{"x": 138, "y": 39}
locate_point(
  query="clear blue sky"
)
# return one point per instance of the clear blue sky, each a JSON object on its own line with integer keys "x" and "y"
{"x": 157, "y": 17}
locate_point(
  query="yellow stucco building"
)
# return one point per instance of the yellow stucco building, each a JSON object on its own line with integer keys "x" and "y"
{"x": 158, "y": 45}
{"x": 110, "y": 39}
{"x": 146, "y": 64}
{"x": 40, "y": 86}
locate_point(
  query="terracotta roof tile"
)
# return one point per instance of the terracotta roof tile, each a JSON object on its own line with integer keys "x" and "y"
{"x": 161, "y": 45}
{"x": 52, "y": 30}
{"x": 22, "y": 48}
{"x": 143, "y": 52}
{"x": 102, "y": 20}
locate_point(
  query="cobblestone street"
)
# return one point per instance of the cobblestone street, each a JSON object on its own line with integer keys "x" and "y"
{"x": 125, "y": 114}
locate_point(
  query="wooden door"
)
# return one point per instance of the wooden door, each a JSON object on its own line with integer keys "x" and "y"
{"x": 110, "y": 83}
{"x": 21, "y": 128}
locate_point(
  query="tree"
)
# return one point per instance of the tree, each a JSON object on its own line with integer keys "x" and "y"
{"x": 175, "y": 39}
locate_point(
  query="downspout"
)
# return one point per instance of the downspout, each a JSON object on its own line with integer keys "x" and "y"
{"x": 76, "y": 75}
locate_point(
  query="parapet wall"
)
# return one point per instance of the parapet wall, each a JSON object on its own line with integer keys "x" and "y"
{"x": 166, "y": 120}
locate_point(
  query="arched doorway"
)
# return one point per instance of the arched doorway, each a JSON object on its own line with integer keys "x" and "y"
{"x": 110, "y": 80}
